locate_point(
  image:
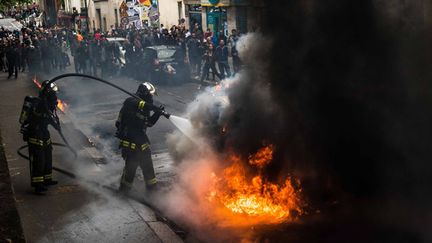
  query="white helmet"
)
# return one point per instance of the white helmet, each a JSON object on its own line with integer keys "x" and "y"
{"x": 146, "y": 87}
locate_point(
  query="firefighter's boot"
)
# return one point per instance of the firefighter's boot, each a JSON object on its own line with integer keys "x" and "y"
{"x": 50, "y": 182}
{"x": 40, "y": 190}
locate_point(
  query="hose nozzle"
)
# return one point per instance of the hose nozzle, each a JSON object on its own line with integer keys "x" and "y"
{"x": 166, "y": 114}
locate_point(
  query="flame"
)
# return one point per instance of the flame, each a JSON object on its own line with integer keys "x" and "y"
{"x": 262, "y": 157}
{"x": 60, "y": 104}
{"x": 218, "y": 88}
{"x": 224, "y": 129}
{"x": 39, "y": 85}
{"x": 258, "y": 200}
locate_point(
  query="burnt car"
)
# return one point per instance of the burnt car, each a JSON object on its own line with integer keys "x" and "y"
{"x": 166, "y": 64}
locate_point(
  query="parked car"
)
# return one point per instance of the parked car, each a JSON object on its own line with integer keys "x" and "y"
{"x": 1, "y": 16}
{"x": 166, "y": 64}
{"x": 118, "y": 42}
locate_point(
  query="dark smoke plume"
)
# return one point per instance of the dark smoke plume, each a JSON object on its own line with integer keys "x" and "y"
{"x": 354, "y": 81}
{"x": 343, "y": 91}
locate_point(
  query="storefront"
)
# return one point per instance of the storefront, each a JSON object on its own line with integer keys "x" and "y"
{"x": 194, "y": 12}
{"x": 223, "y": 15}
{"x": 217, "y": 20}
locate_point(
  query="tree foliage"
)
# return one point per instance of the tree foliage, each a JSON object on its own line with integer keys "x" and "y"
{"x": 4, "y": 4}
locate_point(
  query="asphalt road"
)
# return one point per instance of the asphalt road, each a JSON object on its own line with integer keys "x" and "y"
{"x": 82, "y": 211}
{"x": 76, "y": 210}
{"x": 93, "y": 107}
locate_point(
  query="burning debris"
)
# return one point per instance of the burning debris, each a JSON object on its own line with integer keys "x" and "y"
{"x": 234, "y": 180}
{"x": 253, "y": 196}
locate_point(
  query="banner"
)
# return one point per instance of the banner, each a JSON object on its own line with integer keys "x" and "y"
{"x": 146, "y": 3}
{"x": 136, "y": 12}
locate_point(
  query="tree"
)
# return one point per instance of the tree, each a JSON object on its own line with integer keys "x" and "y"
{"x": 4, "y": 4}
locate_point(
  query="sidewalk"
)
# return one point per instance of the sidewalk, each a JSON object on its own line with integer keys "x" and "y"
{"x": 75, "y": 210}
{"x": 10, "y": 224}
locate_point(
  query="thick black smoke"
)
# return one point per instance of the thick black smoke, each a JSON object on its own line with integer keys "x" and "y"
{"x": 349, "y": 106}
{"x": 354, "y": 81}
{"x": 353, "y": 78}
{"x": 343, "y": 91}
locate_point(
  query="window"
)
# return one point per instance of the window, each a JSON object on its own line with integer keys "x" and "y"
{"x": 241, "y": 19}
{"x": 104, "y": 24}
{"x": 166, "y": 53}
{"x": 116, "y": 18}
{"x": 99, "y": 17}
{"x": 180, "y": 10}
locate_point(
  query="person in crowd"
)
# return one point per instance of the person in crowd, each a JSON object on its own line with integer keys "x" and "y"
{"x": 12, "y": 57}
{"x": 221, "y": 54}
{"x": 37, "y": 49}
{"x": 195, "y": 54}
{"x": 209, "y": 64}
{"x": 232, "y": 43}
{"x": 208, "y": 33}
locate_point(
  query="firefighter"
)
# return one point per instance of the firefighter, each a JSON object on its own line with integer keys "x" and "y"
{"x": 36, "y": 115}
{"x": 133, "y": 120}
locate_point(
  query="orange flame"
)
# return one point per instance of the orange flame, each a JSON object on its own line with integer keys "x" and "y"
{"x": 218, "y": 88}
{"x": 262, "y": 157}
{"x": 254, "y": 197}
{"x": 39, "y": 85}
{"x": 60, "y": 104}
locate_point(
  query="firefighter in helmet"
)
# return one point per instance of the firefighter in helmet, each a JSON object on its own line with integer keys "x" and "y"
{"x": 37, "y": 113}
{"x": 134, "y": 118}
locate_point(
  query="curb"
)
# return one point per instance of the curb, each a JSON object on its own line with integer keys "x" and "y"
{"x": 10, "y": 223}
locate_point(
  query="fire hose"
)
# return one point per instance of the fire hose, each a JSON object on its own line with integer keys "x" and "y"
{"x": 164, "y": 113}
{"x": 65, "y": 172}
{"x": 66, "y": 143}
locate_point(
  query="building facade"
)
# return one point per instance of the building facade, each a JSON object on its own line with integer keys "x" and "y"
{"x": 103, "y": 14}
{"x": 224, "y": 15}
{"x": 171, "y": 11}
{"x": 217, "y": 15}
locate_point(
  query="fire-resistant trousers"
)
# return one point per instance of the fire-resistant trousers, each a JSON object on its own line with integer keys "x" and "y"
{"x": 40, "y": 164}
{"x": 133, "y": 159}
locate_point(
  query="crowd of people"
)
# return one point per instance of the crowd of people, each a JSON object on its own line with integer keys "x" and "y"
{"x": 39, "y": 49}
{"x": 25, "y": 14}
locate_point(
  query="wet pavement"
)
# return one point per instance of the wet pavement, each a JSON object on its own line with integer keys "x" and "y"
{"x": 79, "y": 209}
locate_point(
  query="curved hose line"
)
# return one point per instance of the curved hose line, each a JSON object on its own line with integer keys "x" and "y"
{"x": 59, "y": 131}
{"x": 65, "y": 172}
{"x": 94, "y": 78}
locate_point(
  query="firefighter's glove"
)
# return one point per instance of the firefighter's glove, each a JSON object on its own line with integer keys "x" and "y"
{"x": 161, "y": 111}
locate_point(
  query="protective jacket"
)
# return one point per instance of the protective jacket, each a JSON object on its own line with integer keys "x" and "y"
{"x": 35, "y": 118}
{"x": 132, "y": 123}
{"x": 133, "y": 120}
